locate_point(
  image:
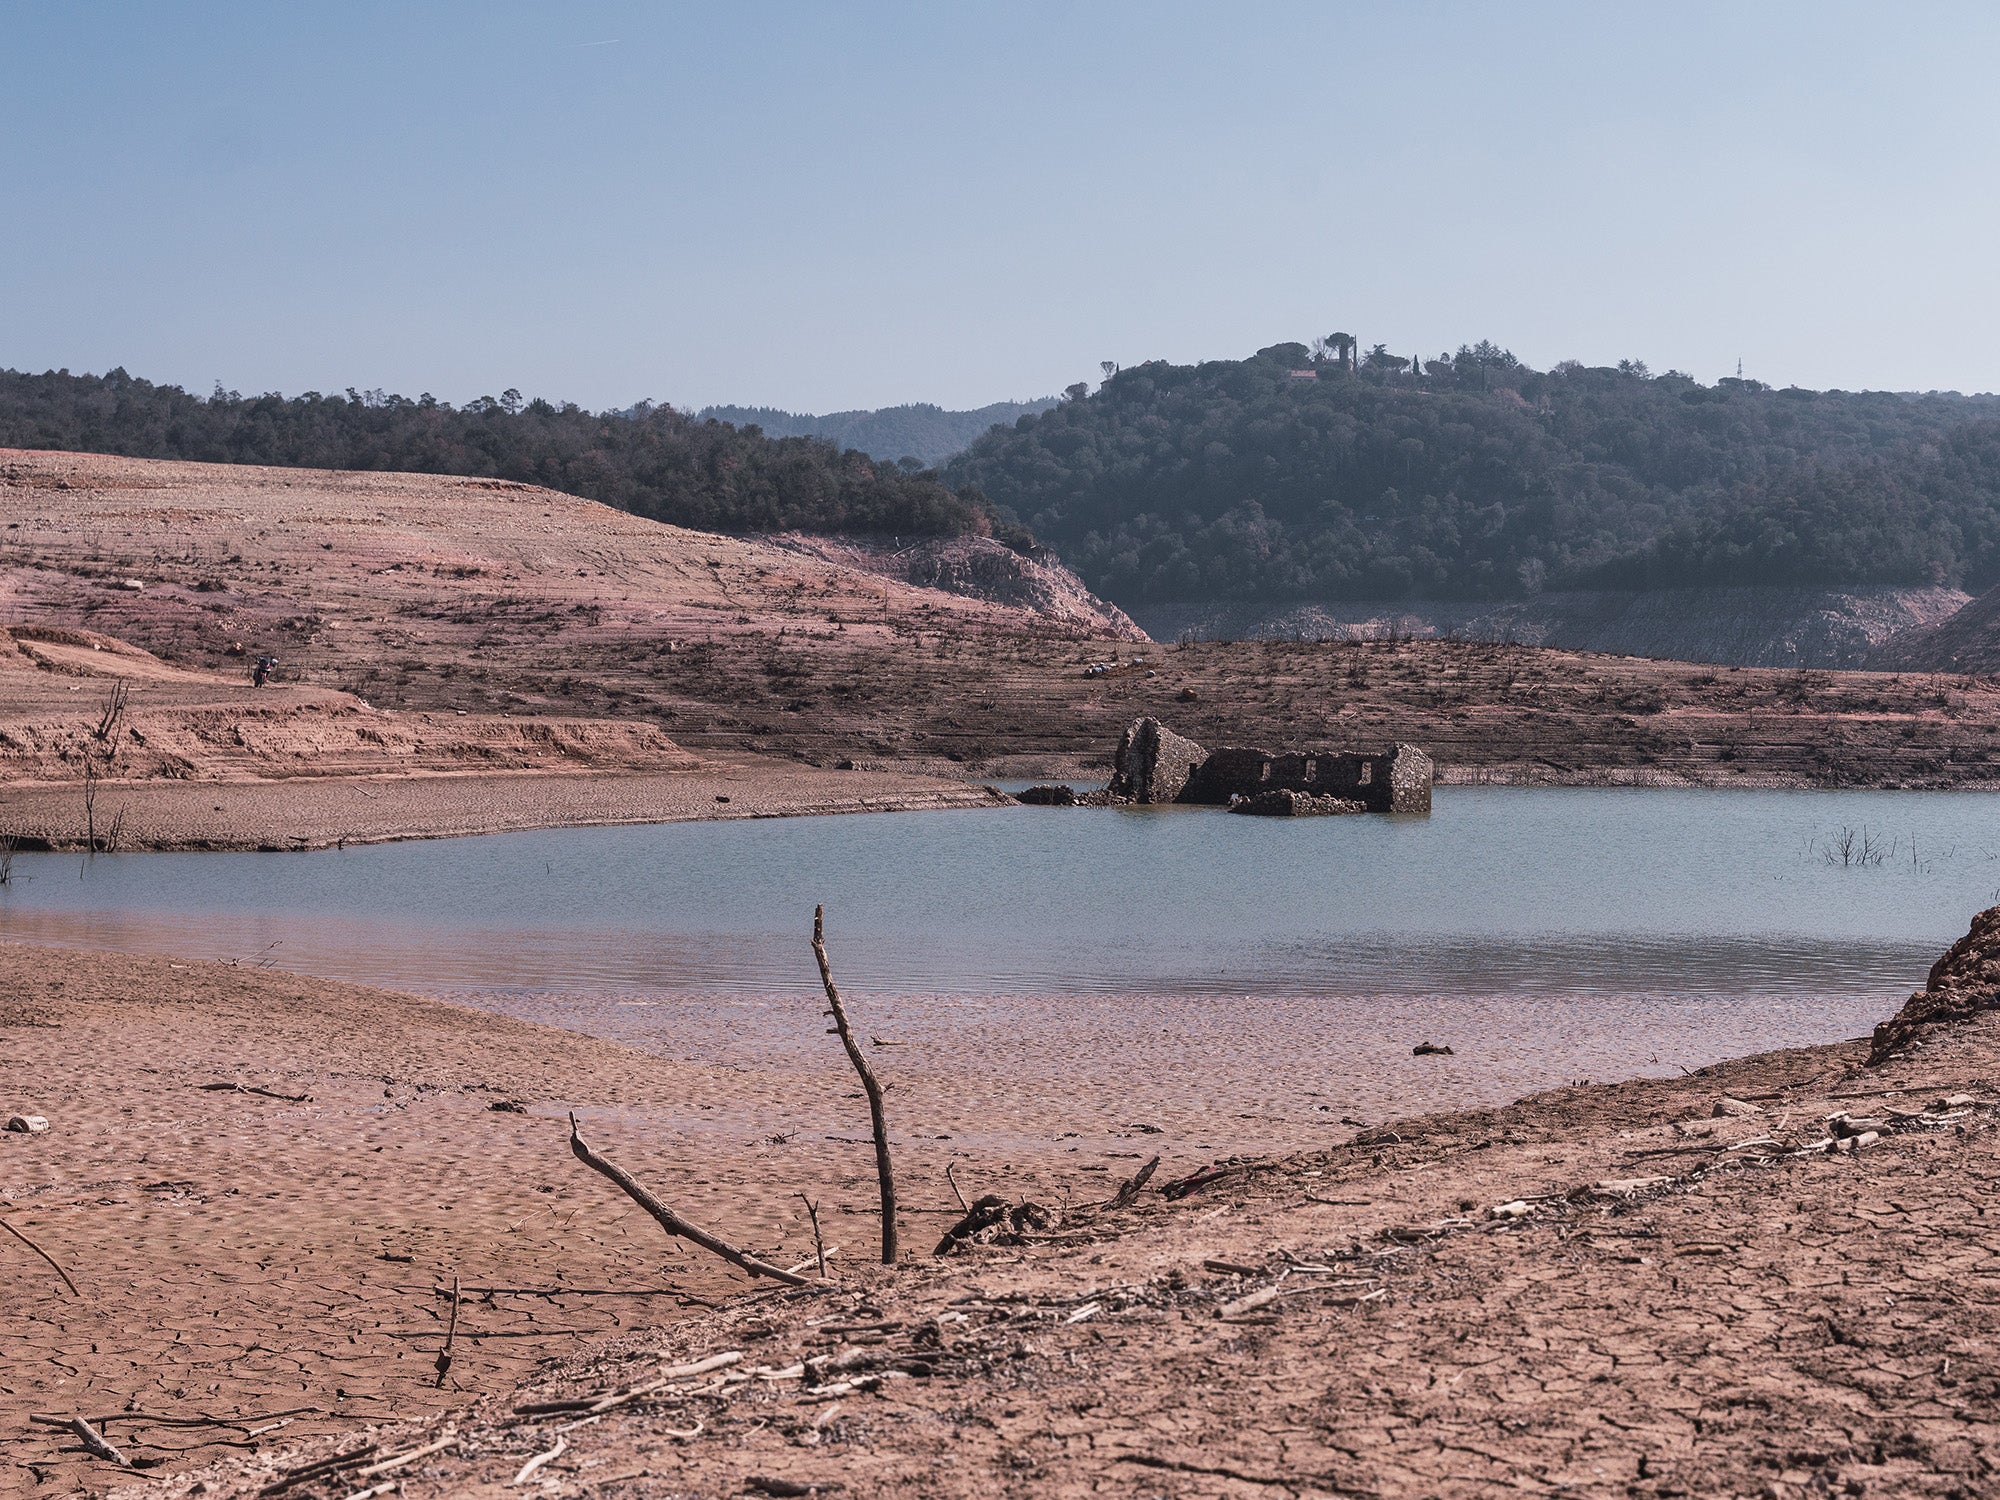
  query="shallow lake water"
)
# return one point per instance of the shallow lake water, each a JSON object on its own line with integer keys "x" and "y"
{"x": 1551, "y": 933}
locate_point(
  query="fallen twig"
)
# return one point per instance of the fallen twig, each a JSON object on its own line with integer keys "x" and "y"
{"x": 670, "y": 1221}
{"x": 89, "y": 1436}
{"x": 1251, "y": 1302}
{"x": 1714, "y": 1146}
{"x": 53, "y": 1265}
{"x": 388, "y": 1465}
{"x": 884, "y": 1172}
{"x": 94, "y": 1440}
{"x": 320, "y": 1469}
{"x": 246, "y": 1088}
{"x": 528, "y": 1468}
{"x": 1231, "y": 1268}
{"x": 819, "y": 1256}
{"x": 612, "y": 1399}
{"x": 450, "y": 1337}
{"x": 956, "y": 1191}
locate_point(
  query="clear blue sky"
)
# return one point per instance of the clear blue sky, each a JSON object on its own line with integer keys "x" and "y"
{"x": 859, "y": 204}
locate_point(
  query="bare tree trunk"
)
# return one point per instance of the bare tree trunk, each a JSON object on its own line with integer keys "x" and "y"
{"x": 884, "y": 1172}
{"x": 90, "y": 775}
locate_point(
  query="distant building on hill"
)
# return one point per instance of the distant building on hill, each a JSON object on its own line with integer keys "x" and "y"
{"x": 1303, "y": 374}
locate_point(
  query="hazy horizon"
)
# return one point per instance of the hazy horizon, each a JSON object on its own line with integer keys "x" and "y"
{"x": 837, "y": 211}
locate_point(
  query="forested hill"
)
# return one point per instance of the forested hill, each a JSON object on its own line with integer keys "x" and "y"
{"x": 1473, "y": 476}
{"x": 924, "y": 432}
{"x": 651, "y": 460}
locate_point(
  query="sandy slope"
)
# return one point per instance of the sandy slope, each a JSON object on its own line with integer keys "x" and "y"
{"x": 359, "y": 577}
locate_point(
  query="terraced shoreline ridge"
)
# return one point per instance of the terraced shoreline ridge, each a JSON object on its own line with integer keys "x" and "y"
{"x": 426, "y": 624}
{"x": 1768, "y": 1277}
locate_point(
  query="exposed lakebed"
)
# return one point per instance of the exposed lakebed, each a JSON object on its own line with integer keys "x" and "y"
{"x": 1545, "y": 934}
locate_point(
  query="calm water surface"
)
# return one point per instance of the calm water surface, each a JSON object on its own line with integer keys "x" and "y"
{"x": 1635, "y": 913}
{"x": 1559, "y": 891}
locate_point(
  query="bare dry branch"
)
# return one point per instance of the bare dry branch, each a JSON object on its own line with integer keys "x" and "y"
{"x": 43, "y": 1254}
{"x": 884, "y": 1172}
{"x": 670, "y": 1221}
{"x": 819, "y": 1244}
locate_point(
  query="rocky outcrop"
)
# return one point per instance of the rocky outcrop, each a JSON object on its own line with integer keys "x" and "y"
{"x": 1284, "y": 803}
{"x": 1741, "y": 627}
{"x": 977, "y": 567}
{"x": 1399, "y": 781}
{"x": 1968, "y": 641}
{"x": 1962, "y": 984}
{"x": 1153, "y": 764}
{"x": 1048, "y": 796}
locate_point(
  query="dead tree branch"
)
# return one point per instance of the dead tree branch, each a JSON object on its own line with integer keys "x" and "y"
{"x": 672, "y": 1222}
{"x": 819, "y": 1245}
{"x": 1129, "y": 1188}
{"x": 114, "y": 710}
{"x": 885, "y": 1173}
{"x": 90, "y": 778}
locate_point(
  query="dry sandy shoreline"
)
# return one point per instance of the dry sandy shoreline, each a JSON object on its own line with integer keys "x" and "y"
{"x": 1673, "y": 1309}
{"x": 323, "y": 812}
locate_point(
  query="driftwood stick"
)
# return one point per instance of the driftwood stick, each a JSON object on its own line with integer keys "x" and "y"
{"x": 390, "y": 1465}
{"x": 956, "y": 1191}
{"x": 528, "y": 1468}
{"x": 43, "y": 1254}
{"x": 884, "y": 1172}
{"x": 450, "y": 1337}
{"x": 92, "y": 1439}
{"x": 670, "y": 1221}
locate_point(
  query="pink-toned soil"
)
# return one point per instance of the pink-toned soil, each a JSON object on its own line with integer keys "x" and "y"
{"x": 441, "y": 595}
{"x": 1670, "y": 1310}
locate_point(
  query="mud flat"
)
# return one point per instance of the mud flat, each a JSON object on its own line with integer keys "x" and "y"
{"x": 324, "y": 812}
{"x": 1671, "y": 1287}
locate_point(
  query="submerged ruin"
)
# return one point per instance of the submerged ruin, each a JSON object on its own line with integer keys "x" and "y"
{"x": 1155, "y": 765}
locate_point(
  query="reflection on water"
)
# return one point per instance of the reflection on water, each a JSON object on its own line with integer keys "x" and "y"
{"x": 1555, "y": 894}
